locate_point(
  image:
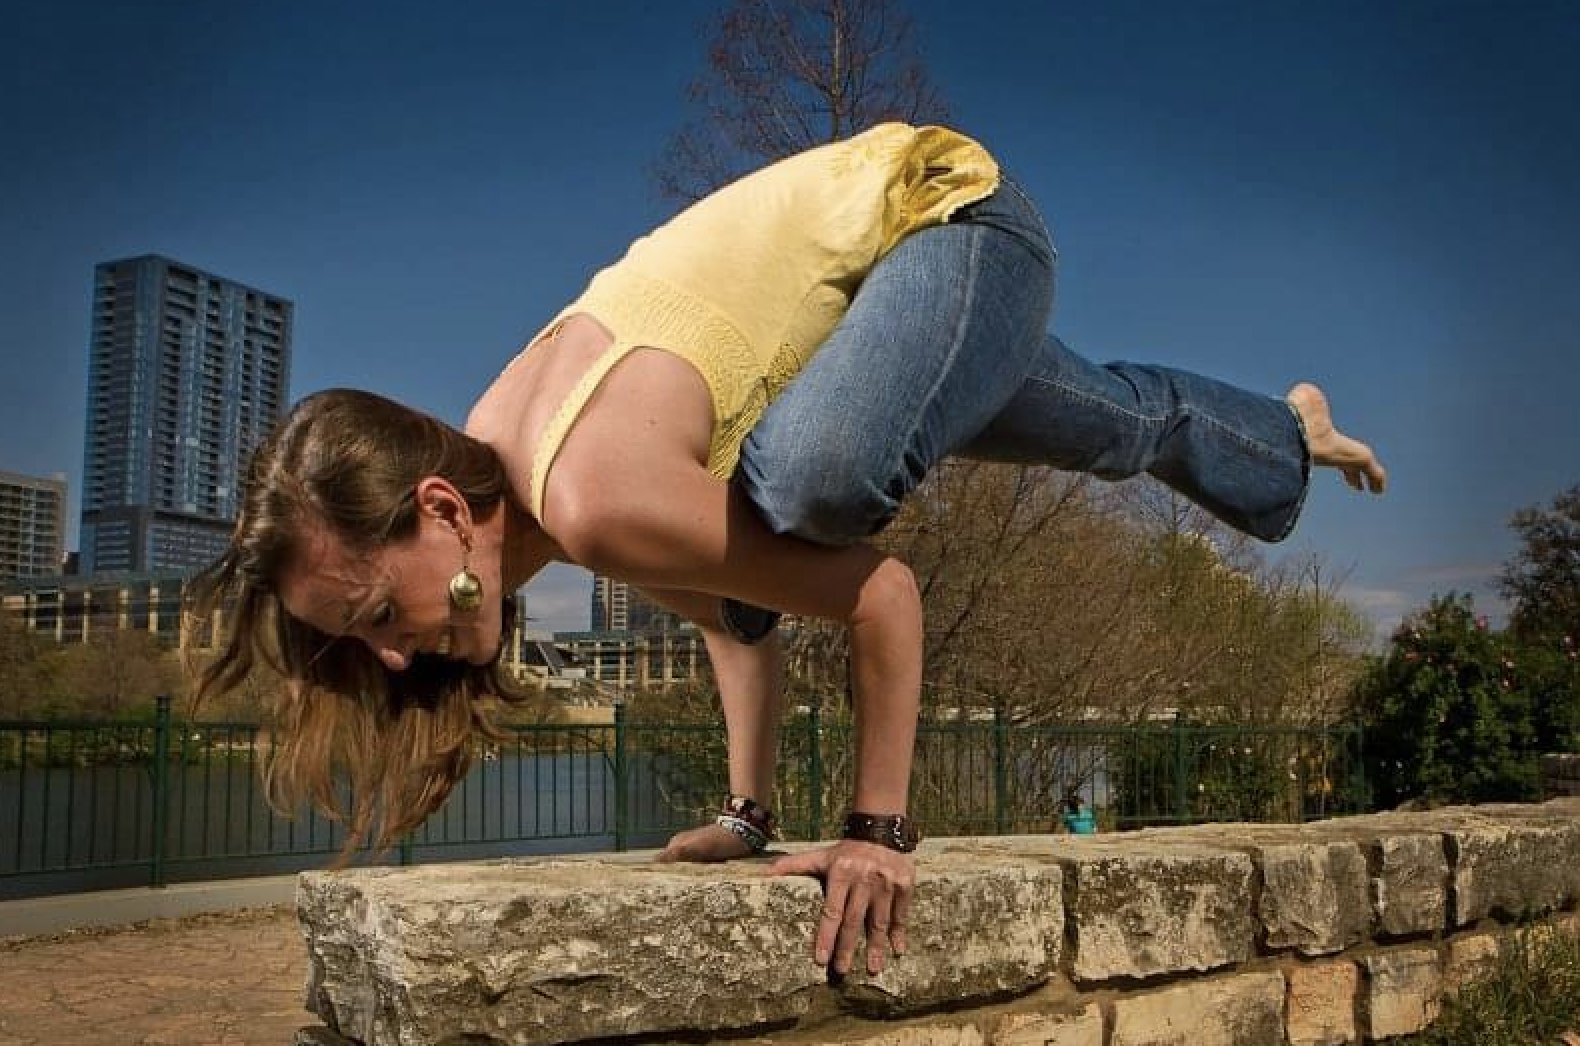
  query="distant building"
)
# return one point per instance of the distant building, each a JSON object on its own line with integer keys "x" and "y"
{"x": 75, "y": 609}
{"x": 32, "y": 526}
{"x": 618, "y": 607}
{"x": 187, "y": 373}
{"x": 632, "y": 659}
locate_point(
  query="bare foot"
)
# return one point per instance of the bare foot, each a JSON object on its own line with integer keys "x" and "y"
{"x": 1333, "y": 448}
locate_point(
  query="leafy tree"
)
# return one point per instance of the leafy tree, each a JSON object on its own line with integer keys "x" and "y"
{"x": 1543, "y": 578}
{"x": 26, "y": 671}
{"x": 1450, "y": 713}
{"x": 116, "y": 673}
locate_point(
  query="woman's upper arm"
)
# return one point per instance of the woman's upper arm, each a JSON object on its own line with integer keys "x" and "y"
{"x": 686, "y": 529}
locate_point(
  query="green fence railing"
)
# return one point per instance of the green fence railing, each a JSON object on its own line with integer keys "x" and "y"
{"x": 88, "y": 804}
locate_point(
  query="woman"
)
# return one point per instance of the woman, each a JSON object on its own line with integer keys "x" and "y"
{"x": 721, "y": 419}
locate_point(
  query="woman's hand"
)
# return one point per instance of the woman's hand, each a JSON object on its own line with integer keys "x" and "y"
{"x": 705, "y": 845}
{"x": 866, "y": 887}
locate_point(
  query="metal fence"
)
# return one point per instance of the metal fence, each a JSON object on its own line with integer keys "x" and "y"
{"x": 87, "y": 805}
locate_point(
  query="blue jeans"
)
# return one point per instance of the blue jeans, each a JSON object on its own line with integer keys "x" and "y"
{"x": 945, "y": 350}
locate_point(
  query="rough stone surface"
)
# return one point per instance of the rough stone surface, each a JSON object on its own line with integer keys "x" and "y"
{"x": 1525, "y": 860}
{"x": 1403, "y": 991}
{"x": 527, "y": 952}
{"x": 1243, "y": 1010}
{"x": 1410, "y": 888}
{"x": 922, "y": 1035}
{"x": 1141, "y": 911}
{"x": 1032, "y": 1029}
{"x": 321, "y": 1036}
{"x": 1315, "y": 895}
{"x": 1321, "y": 1009}
{"x": 1470, "y": 959}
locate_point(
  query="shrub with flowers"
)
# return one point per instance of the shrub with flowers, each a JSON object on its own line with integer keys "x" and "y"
{"x": 1456, "y": 711}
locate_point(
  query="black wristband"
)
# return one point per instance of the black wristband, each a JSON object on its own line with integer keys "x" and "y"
{"x": 896, "y": 831}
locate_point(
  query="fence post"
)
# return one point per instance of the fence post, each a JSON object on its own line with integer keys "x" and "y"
{"x": 1181, "y": 796}
{"x": 620, "y": 804}
{"x": 405, "y": 850}
{"x": 1363, "y": 790}
{"x": 814, "y": 773}
{"x": 161, "y": 782}
{"x": 1000, "y": 771}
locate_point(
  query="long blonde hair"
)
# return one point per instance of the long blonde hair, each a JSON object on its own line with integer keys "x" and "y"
{"x": 347, "y": 461}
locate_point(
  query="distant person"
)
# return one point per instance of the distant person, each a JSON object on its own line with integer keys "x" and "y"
{"x": 1076, "y": 816}
{"x": 722, "y": 418}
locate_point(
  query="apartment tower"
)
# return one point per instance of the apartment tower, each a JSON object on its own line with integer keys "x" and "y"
{"x": 187, "y": 372}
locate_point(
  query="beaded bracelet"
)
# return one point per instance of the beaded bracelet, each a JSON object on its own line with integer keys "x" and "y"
{"x": 749, "y": 819}
{"x": 756, "y": 841}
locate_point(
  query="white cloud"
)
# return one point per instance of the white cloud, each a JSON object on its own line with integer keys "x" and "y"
{"x": 558, "y": 599}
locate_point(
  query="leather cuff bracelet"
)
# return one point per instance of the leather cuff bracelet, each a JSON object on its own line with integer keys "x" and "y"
{"x": 896, "y": 831}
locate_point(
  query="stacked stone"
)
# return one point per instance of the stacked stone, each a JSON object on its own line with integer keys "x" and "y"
{"x": 1336, "y": 932}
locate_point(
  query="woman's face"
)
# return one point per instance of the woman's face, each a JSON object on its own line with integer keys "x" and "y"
{"x": 396, "y": 598}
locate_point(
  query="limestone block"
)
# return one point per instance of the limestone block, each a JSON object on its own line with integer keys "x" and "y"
{"x": 526, "y": 952}
{"x": 1322, "y": 1003}
{"x": 1510, "y": 863}
{"x": 1403, "y": 991}
{"x": 1470, "y": 959}
{"x": 1316, "y": 895}
{"x": 1243, "y": 1010}
{"x": 1410, "y": 888}
{"x": 1037, "y": 1029}
{"x": 979, "y": 927}
{"x": 1141, "y": 911}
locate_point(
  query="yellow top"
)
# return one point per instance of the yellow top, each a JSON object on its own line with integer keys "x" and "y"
{"x": 748, "y": 283}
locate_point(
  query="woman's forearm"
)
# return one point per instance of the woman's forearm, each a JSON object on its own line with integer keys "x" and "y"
{"x": 751, "y": 689}
{"x": 886, "y": 667}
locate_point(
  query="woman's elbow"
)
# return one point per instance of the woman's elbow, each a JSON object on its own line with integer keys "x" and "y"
{"x": 889, "y": 590}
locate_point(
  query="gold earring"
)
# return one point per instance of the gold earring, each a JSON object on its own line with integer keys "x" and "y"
{"x": 466, "y": 588}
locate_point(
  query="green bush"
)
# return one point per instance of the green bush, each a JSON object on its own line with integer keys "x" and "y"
{"x": 1451, "y": 712}
{"x": 1531, "y": 999}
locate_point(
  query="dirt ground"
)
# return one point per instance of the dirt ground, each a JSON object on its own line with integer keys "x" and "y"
{"x": 217, "y": 980}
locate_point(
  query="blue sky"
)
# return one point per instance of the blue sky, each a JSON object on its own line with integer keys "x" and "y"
{"x": 1377, "y": 194}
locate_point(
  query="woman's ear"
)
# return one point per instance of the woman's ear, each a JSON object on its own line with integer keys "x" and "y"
{"x": 438, "y": 499}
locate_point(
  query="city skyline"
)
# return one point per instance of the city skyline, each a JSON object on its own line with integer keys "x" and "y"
{"x": 1369, "y": 195}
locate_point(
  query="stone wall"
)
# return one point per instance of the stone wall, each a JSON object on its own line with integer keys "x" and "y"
{"x": 1341, "y": 931}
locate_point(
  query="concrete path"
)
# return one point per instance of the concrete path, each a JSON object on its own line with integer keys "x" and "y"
{"x": 216, "y": 980}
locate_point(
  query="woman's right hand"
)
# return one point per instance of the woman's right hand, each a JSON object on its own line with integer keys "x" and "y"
{"x": 705, "y": 845}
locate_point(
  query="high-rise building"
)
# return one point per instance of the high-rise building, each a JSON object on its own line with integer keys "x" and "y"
{"x": 32, "y": 526}
{"x": 617, "y": 607}
{"x": 187, "y": 372}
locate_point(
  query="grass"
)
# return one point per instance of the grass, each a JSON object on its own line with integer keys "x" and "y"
{"x": 1532, "y": 998}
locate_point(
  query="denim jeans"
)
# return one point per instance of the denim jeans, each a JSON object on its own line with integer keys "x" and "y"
{"x": 945, "y": 350}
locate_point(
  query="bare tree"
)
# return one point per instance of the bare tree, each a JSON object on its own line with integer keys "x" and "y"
{"x": 785, "y": 75}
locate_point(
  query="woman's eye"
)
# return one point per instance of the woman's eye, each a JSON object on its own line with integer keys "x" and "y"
{"x": 382, "y": 616}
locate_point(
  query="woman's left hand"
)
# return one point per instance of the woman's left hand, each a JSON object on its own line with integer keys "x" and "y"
{"x": 866, "y": 887}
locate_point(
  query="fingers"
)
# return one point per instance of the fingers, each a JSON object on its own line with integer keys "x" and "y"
{"x": 706, "y": 844}
{"x": 833, "y": 919}
{"x": 809, "y": 863}
{"x": 867, "y": 891}
{"x": 901, "y": 918}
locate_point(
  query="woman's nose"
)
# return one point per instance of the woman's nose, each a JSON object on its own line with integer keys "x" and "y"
{"x": 396, "y": 659}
